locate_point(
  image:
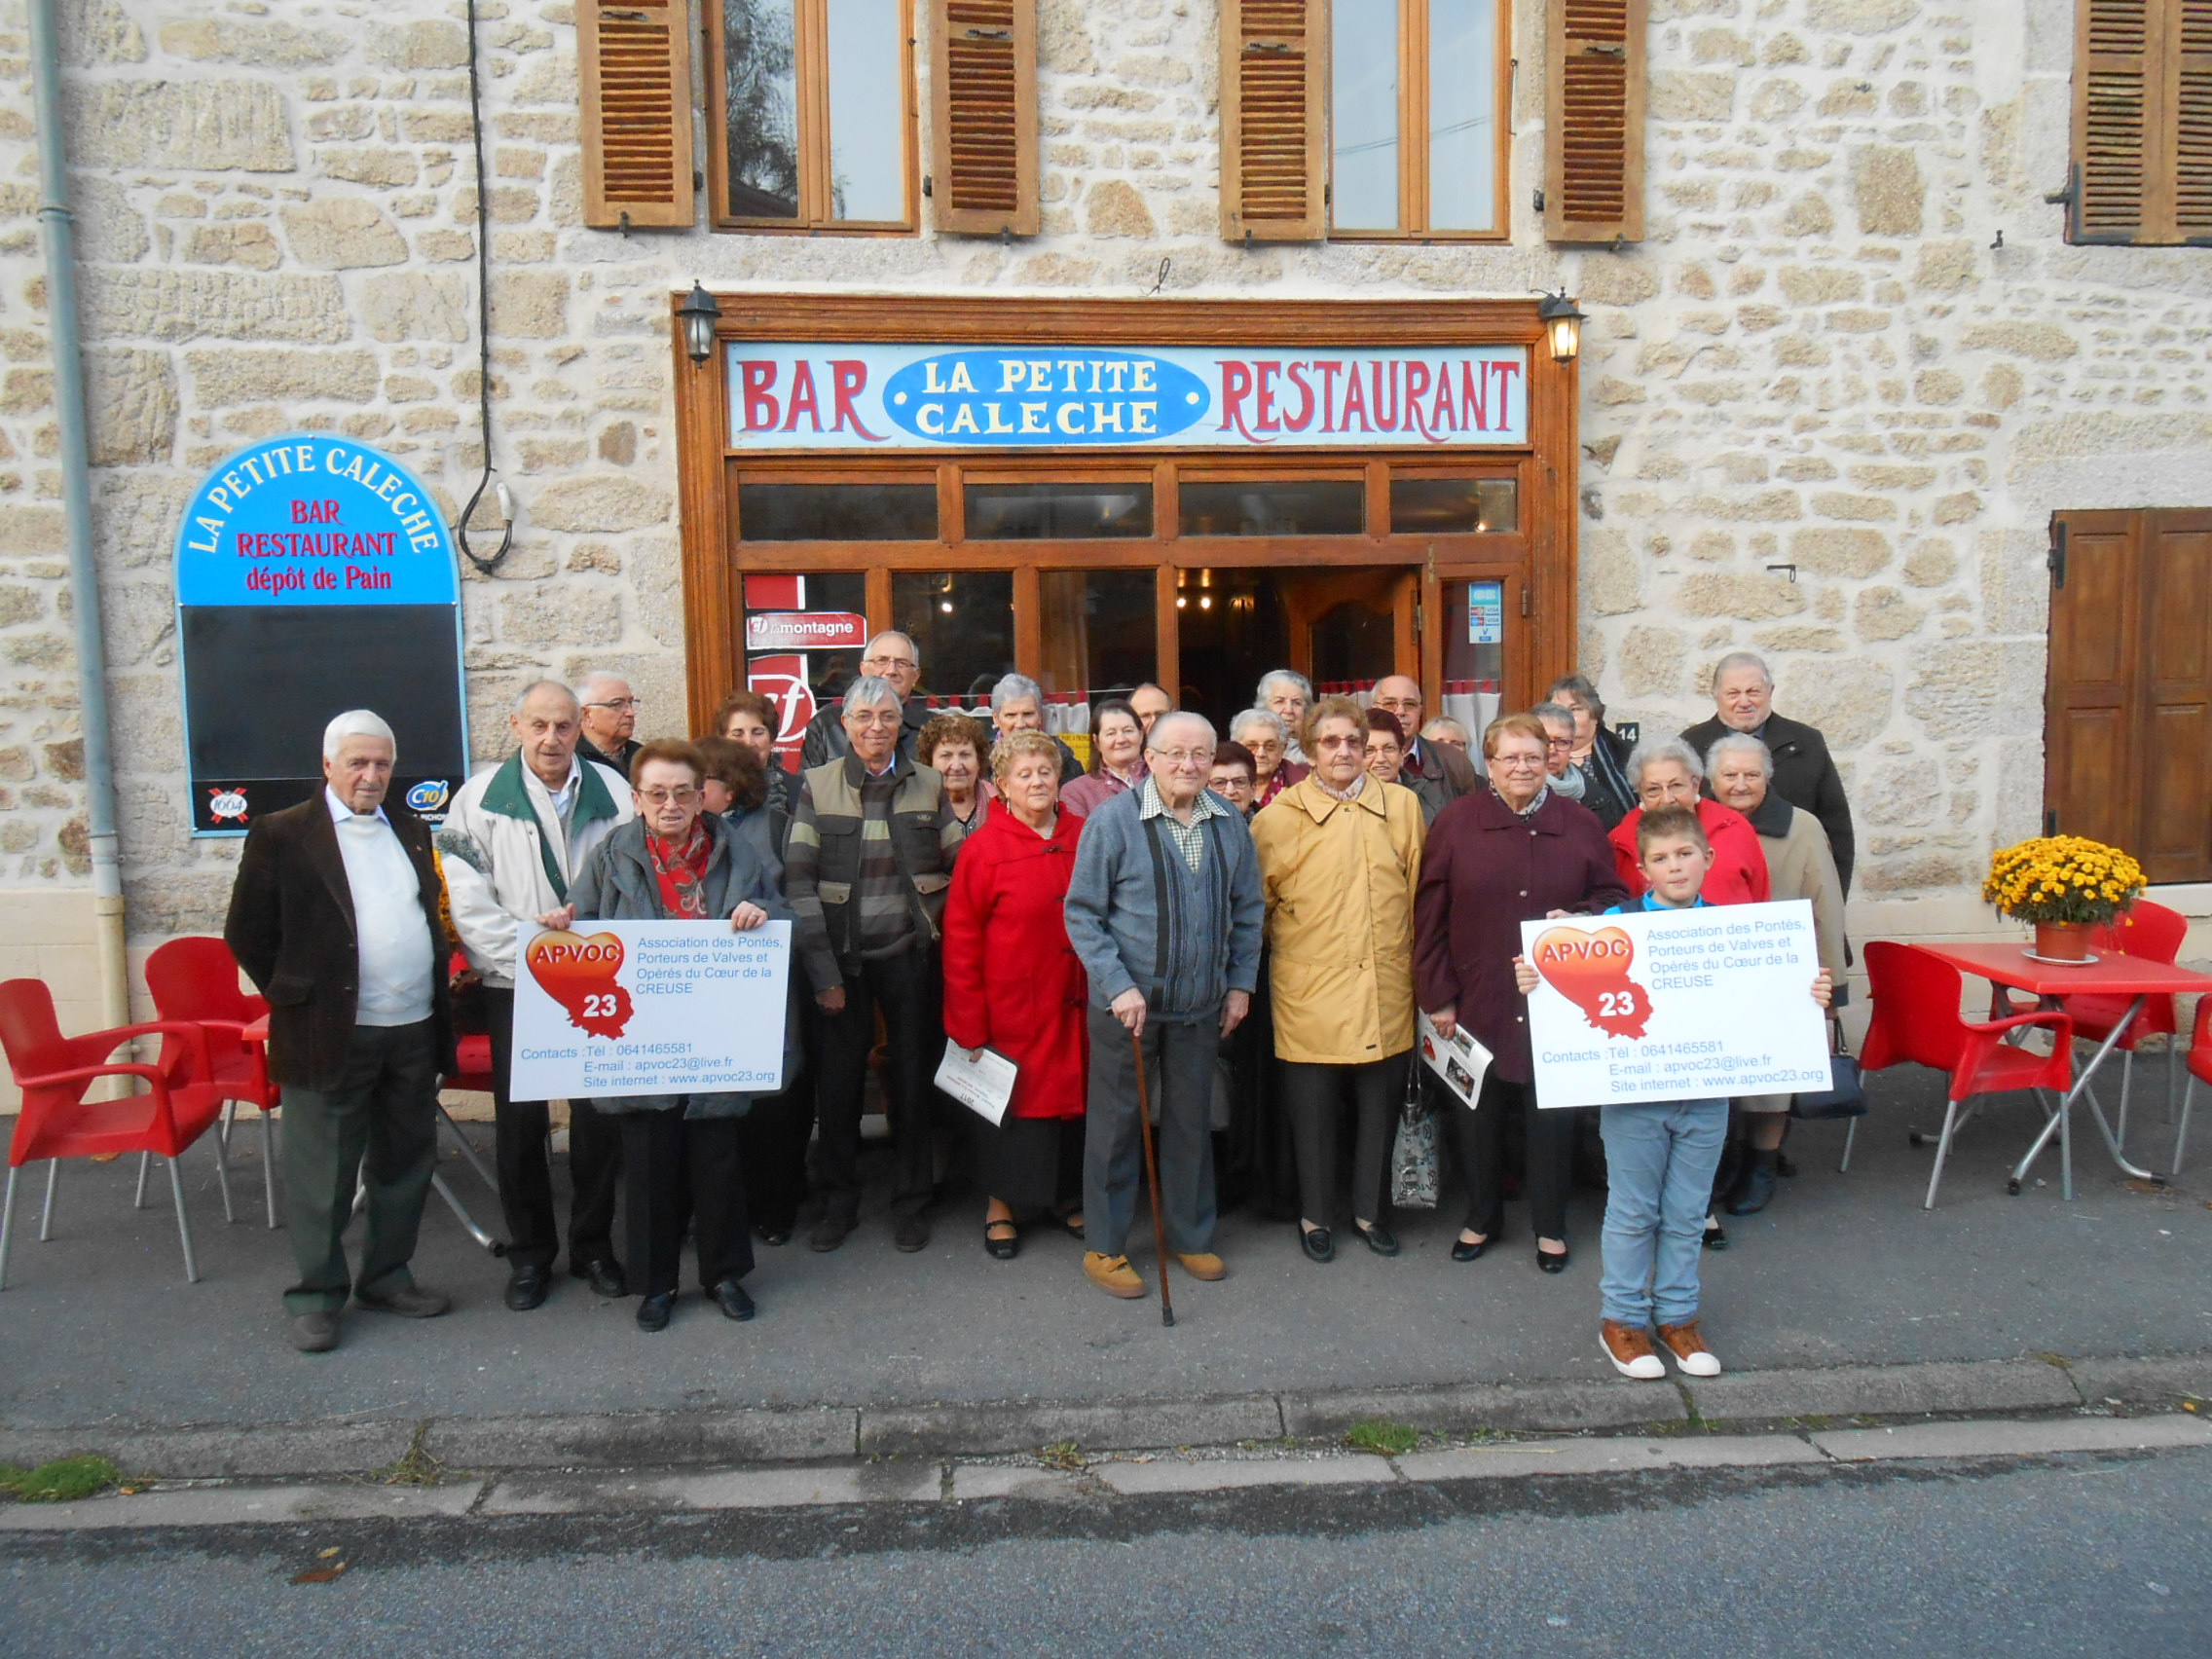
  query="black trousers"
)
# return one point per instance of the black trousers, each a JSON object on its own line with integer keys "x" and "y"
{"x": 1253, "y": 1158}
{"x": 775, "y": 1133}
{"x": 523, "y": 1134}
{"x": 1314, "y": 1097}
{"x": 1478, "y": 1139}
{"x": 905, "y": 988}
{"x": 675, "y": 1169}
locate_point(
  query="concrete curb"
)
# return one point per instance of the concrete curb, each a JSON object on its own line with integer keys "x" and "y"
{"x": 848, "y": 1484}
{"x": 798, "y": 1435}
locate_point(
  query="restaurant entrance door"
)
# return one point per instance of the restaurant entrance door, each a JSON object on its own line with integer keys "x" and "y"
{"x": 1343, "y": 628}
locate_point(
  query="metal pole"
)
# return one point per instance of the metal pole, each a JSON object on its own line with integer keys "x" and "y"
{"x": 60, "y": 227}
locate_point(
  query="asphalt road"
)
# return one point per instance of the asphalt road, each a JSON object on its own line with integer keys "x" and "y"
{"x": 2071, "y": 1555}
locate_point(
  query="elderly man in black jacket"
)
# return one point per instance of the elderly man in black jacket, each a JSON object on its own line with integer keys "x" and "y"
{"x": 334, "y": 916}
{"x": 1804, "y": 773}
{"x": 891, "y": 657}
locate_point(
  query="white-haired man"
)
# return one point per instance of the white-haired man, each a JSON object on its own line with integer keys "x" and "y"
{"x": 1804, "y": 772}
{"x": 515, "y": 837}
{"x": 334, "y": 916}
{"x": 609, "y": 712}
{"x": 894, "y": 660}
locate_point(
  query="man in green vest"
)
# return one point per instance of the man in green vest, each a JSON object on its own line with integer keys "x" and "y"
{"x": 513, "y": 839}
{"x": 870, "y": 859}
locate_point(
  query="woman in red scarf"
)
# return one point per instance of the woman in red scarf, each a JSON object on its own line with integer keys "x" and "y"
{"x": 675, "y": 861}
{"x": 1012, "y": 983}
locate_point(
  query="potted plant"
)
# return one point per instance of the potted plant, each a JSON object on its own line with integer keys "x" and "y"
{"x": 2065, "y": 885}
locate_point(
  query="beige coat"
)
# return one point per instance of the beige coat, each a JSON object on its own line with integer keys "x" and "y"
{"x": 1338, "y": 879}
{"x": 1800, "y": 865}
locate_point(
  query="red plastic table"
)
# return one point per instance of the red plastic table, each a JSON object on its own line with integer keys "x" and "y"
{"x": 2112, "y": 973}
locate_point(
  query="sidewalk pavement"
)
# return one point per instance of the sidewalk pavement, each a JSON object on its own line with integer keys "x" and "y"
{"x": 1845, "y": 1299}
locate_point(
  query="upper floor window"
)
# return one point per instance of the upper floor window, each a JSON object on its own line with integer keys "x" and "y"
{"x": 2142, "y": 122}
{"x": 1415, "y": 144}
{"x": 813, "y": 114}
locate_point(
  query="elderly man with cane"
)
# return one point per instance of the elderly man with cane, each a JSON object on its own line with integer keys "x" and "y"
{"x": 1164, "y": 909}
{"x": 334, "y": 916}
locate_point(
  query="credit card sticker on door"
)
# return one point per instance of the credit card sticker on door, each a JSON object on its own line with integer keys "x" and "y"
{"x": 1486, "y": 613}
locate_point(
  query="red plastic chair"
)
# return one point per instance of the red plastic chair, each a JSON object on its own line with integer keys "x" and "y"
{"x": 56, "y": 1121}
{"x": 1916, "y": 1018}
{"x": 2154, "y": 934}
{"x": 2200, "y": 1066}
{"x": 196, "y": 980}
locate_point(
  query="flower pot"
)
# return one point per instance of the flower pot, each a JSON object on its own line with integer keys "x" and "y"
{"x": 2063, "y": 942}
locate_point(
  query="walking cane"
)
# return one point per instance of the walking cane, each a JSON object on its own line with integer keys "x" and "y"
{"x": 1152, "y": 1176}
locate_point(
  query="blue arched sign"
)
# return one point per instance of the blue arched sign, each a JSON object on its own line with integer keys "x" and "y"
{"x": 315, "y": 574}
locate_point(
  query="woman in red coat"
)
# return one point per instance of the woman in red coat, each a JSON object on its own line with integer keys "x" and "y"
{"x": 1014, "y": 984}
{"x": 1667, "y": 772}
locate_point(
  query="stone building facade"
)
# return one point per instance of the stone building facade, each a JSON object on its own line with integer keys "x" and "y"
{"x": 1853, "y": 344}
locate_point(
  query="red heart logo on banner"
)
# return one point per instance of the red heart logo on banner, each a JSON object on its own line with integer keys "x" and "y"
{"x": 1591, "y": 971}
{"x": 578, "y": 973}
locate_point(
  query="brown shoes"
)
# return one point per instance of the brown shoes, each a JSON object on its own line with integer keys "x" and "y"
{"x": 1688, "y": 1345}
{"x": 1206, "y": 1266}
{"x": 1629, "y": 1348}
{"x": 1113, "y": 1275}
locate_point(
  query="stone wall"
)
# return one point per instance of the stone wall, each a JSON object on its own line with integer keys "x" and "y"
{"x": 1818, "y": 358}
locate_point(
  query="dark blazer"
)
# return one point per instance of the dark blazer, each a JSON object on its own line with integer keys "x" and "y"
{"x": 1804, "y": 776}
{"x": 292, "y": 928}
{"x": 1606, "y": 790}
{"x": 1484, "y": 871}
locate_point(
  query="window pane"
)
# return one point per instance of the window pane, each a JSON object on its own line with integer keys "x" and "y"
{"x": 1363, "y": 114}
{"x": 867, "y": 111}
{"x": 787, "y": 666}
{"x": 1443, "y": 506}
{"x": 1040, "y": 512}
{"x": 1463, "y": 115}
{"x": 1100, "y": 630}
{"x": 836, "y": 512}
{"x": 1321, "y": 507}
{"x": 760, "y": 47}
{"x": 962, "y": 621}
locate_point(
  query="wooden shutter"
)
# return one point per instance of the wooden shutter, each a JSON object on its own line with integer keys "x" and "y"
{"x": 634, "y": 64}
{"x": 2127, "y": 730}
{"x": 1274, "y": 62}
{"x": 2142, "y": 121}
{"x": 1593, "y": 99}
{"x": 983, "y": 119}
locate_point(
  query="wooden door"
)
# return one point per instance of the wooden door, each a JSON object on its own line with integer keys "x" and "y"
{"x": 2128, "y": 704}
{"x": 1351, "y": 626}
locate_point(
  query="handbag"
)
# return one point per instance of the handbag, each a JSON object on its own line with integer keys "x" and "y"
{"x": 1846, "y": 1093}
{"x": 1413, "y": 1173}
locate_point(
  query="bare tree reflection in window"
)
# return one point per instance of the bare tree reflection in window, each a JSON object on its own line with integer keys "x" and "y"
{"x": 761, "y": 47}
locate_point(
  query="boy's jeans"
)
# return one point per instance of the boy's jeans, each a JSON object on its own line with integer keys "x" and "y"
{"x": 1660, "y": 1159}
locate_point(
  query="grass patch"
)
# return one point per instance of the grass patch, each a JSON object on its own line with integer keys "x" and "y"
{"x": 63, "y": 1481}
{"x": 414, "y": 1467}
{"x": 1383, "y": 1437}
{"x": 1063, "y": 1454}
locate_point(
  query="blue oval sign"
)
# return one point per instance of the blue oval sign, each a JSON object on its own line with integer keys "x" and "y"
{"x": 1043, "y": 398}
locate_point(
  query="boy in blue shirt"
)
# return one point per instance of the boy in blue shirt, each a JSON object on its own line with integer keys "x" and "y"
{"x": 1660, "y": 1154}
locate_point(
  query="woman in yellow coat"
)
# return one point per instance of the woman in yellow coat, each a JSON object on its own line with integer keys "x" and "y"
{"x": 1339, "y": 857}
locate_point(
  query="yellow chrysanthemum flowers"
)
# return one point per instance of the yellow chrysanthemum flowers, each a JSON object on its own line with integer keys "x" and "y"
{"x": 2062, "y": 878}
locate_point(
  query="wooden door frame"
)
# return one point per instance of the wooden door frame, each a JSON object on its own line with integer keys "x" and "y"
{"x": 713, "y": 614}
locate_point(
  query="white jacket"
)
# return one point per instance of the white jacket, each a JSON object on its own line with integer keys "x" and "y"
{"x": 507, "y": 860}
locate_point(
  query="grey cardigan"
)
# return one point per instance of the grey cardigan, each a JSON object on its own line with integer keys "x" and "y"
{"x": 617, "y": 884}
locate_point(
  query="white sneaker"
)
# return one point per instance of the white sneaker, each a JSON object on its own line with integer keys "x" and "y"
{"x": 1629, "y": 1348}
{"x": 1688, "y": 1345}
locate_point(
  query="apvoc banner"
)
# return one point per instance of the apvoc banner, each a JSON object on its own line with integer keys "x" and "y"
{"x": 921, "y": 396}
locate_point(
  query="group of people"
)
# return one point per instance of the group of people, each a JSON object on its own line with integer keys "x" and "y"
{"x": 1235, "y": 931}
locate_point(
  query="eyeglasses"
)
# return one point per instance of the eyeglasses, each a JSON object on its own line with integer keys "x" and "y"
{"x": 1558, "y": 743}
{"x": 1185, "y": 757}
{"x": 668, "y": 797}
{"x": 617, "y": 704}
{"x": 889, "y": 662}
{"x": 1515, "y": 763}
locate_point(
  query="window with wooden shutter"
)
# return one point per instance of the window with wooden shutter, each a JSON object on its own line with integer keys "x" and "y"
{"x": 634, "y": 65}
{"x": 1274, "y": 65}
{"x": 1593, "y": 99}
{"x": 983, "y": 163}
{"x": 2142, "y": 122}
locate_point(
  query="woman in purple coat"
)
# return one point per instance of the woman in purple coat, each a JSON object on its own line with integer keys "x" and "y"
{"x": 1495, "y": 858}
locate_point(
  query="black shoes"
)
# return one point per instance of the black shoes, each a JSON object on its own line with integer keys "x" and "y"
{"x": 1550, "y": 1261}
{"x": 1754, "y": 1191}
{"x": 729, "y": 1296}
{"x": 1317, "y": 1245}
{"x": 1716, "y": 1236}
{"x": 829, "y": 1231}
{"x": 653, "y": 1311}
{"x": 1462, "y": 1251}
{"x": 911, "y": 1233}
{"x": 605, "y": 1274}
{"x": 526, "y": 1287}
{"x": 779, "y": 1235}
{"x": 1380, "y": 1238}
{"x": 1002, "y": 1249}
